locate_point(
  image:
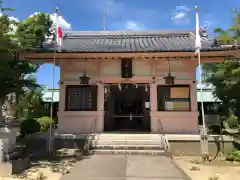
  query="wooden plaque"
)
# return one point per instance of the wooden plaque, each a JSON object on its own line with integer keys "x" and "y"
{"x": 179, "y": 92}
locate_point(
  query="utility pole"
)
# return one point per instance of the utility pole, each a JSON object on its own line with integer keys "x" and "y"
{"x": 105, "y": 19}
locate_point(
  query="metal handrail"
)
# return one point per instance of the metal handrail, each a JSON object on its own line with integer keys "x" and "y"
{"x": 163, "y": 135}
{"x": 93, "y": 130}
{"x": 90, "y": 135}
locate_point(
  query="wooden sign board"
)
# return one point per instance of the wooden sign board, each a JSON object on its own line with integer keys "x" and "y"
{"x": 179, "y": 92}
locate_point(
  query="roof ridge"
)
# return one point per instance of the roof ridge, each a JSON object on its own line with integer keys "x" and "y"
{"x": 128, "y": 33}
{"x": 133, "y": 41}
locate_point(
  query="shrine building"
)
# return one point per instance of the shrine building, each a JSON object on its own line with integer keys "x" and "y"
{"x": 128, "y": 80}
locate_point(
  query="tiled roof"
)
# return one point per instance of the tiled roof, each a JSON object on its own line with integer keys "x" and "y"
{"x": 132, "y": 41}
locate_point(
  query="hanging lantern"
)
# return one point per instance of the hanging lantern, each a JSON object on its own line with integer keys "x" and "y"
{"x": 84, "y": 79}
{"x": 169, "y": 79}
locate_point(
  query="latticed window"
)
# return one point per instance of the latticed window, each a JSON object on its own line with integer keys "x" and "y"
{"x": 173, "y": 98}
{"x": 81, "y": 98}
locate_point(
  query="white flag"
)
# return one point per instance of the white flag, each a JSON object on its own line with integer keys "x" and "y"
{"x": 198, "y": 43}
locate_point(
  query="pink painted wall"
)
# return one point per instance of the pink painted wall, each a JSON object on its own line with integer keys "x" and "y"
{"x": 83, "y": 122}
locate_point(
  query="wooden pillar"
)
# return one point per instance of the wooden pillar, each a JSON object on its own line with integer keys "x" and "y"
{"x": 153, "y": 88}
{"x": 100, "y": 100}
{"x": 62, "y": 93}
{"x": 100, "y": 97}
{"x": 153, "y": 106}
{"x": 153, "y": 97}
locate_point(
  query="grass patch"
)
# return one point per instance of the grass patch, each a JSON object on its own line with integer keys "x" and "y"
{"x": 233, "y": 156}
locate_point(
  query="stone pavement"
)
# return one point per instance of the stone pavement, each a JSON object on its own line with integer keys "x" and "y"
{"x": 122, "y": 167}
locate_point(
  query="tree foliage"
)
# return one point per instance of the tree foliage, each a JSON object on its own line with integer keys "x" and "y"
{"x": 31, "y": 104}
{"x": 33, "y": 31}
{"x": 225, "y": 76}
{"x": 232, "y": 34}
{"x": 17, "y": 37}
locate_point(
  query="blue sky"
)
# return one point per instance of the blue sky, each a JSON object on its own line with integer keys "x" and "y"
{"x": 126, "y": 14}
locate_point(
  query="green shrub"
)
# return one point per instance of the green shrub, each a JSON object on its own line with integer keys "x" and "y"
{"x": 45, "y": 122}
{"x": 233, "y": 156}
{"x": 29, "y": 126}
{"x": 233, "y": 122}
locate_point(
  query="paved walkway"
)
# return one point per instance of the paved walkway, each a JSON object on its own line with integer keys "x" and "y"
{"x": 120, "y": 167}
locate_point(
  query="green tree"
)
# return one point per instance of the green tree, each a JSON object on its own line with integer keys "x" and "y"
{"x": 225, "y": 76}
{"x": 31, "y": 104}
{"x": 17, "y": 37}
{"x": 32, "y": 32}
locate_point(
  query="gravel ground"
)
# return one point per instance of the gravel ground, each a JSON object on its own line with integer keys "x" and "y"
{"x": 219, "y": 168}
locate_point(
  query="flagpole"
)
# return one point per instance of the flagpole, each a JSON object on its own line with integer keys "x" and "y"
{"x": 53, "y": 81}
{"x": 204, "y": 133}
{"x": 52, "y": 102}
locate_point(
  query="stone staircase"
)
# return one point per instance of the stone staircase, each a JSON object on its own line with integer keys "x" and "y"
{"x": 138, "y": 144}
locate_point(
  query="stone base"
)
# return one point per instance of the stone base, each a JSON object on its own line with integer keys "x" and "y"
{"x": 7, "y": 139}
{"x": 14, "y": 167}
{"x": 5, "y": 169}
{"x": 15, "y": 161}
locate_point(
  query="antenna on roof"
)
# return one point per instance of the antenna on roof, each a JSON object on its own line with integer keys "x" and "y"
{"x": 104, "y": 19}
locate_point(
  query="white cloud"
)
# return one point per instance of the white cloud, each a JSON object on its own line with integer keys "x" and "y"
{"x": 132, "y": 25}
{"x": 14, "y": 18}
{"x": 62, "y": 22}
{"x": 180, "y": 15}
{"x": 128, "y": 25}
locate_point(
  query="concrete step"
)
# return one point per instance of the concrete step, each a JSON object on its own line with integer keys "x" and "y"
{"x": 130, "y": 152}
{"x": 129, "y": 147}
{"x": 128, "y": 136}
{"x": 129, "y": 142}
